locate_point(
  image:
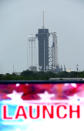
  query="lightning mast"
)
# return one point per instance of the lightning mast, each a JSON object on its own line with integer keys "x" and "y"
{"x": 32, "y": 56}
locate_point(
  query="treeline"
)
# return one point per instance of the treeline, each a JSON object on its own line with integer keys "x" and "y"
{"x": 30, "y": 75}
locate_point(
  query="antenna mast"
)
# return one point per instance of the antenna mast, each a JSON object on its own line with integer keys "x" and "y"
{"x": 43, "y": 19}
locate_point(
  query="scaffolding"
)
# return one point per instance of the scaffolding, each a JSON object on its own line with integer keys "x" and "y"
{"x": 31, "y": 52}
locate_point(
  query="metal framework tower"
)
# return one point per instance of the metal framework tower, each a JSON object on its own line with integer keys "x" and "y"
{"x": 31, "y": 51}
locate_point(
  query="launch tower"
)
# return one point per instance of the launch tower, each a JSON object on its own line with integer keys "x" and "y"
{"x": 46, "y": 52}
{"x": 43, "y": 43}
{"x": 43, "y": 46}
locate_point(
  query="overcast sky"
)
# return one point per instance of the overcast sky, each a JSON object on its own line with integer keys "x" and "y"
{"x": 19, "y": 18}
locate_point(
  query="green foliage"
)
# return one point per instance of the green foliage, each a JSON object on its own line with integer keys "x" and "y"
{"x": 30, "y": 75}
